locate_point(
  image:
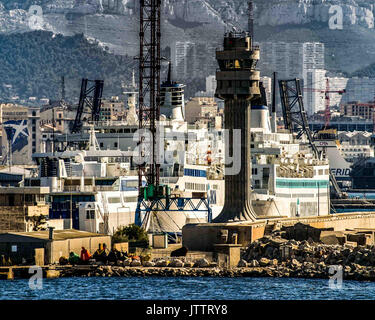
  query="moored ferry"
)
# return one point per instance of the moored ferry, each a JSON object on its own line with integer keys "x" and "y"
{"x": 287, "y": 180}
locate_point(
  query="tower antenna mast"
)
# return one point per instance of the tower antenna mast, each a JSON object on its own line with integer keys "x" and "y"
{"x": 250, "y": 22}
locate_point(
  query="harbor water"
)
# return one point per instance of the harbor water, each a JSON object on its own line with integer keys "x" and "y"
{"x": 186, "y": 289}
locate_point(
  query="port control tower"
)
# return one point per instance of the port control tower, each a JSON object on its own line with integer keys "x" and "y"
{"x": 238, "y": 86}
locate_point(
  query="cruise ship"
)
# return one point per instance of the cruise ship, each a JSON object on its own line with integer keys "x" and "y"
{"x": 97, "y": 190}
{"x": 287, "y": 179}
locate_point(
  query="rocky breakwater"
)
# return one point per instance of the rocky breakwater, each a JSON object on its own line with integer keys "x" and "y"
{"x": 278, "y": 257}
{"x": 159, "y": 268}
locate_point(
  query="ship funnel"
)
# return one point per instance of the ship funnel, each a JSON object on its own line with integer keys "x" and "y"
{"x": 260, "y": 118}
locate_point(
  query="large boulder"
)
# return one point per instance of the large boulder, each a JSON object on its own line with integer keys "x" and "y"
{"x": 161, "y": 263}
{"x": 295, "y": 263}
{"x": 254, "y": 263}
{"x": 136, "y": 263}
{"x": 263, "y": 262}
{"x": 277, "y": 242}
{"x": 202, "y": 263}
{"x": 127, "y": 262}
{"x": 302, "y": 232}
{"x": 179, "y": 252}
{"x": 148, "y": 264}
{"x": 332, "y": 237}
{"x": 242, "y": 264}
{"x": 188, "y": 265}
{"x": 176, "y": 263}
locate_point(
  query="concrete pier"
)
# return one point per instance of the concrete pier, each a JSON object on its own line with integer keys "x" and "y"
{"x": 203, "y": 237}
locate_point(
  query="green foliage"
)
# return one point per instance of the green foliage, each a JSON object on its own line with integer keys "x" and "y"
{"x": 131, "y": 233}
{"x": 366, "y": 72}
{"x": 34, "y": 62}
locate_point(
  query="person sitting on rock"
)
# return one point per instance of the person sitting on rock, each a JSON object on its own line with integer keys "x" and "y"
{"x": 74, "y": 258}
{"x": 104, "y": 254}
{"x": 85, "y": 255}
{"x": 97, "y": 253}
{"x": 113, "y": 255}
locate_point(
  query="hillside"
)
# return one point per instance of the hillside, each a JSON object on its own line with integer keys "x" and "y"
{"x": 368, "y": 71}
{"x": 33, "y": 63}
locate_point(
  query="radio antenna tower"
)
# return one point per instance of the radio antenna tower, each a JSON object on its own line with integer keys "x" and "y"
{"x": 250, "y": 22}
{"x": 149, "y": 89}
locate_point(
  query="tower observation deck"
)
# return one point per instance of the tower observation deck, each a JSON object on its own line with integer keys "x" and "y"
{"x": 238, "y": 86}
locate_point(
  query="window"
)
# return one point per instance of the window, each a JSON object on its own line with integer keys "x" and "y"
{"x": 115, "y": 145}
{"x": 257, "y": 184}
{"x": 130, "y": 199}
{"x": 195, "y": 173}
{"x": 90, "y": 214}
{"x": 114, "y": 200}
{"x": 130, "y": 185}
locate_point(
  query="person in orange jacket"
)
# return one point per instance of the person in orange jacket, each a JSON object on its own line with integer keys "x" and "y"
{"x": 85, "y": 255}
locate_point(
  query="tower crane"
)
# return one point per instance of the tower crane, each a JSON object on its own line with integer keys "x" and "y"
{"x": 327, "y": 92}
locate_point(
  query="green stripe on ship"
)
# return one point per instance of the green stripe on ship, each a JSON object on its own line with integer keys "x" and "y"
{"x": 310, "y": 184}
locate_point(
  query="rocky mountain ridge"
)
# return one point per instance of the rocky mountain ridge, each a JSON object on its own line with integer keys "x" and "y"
{"x": 14, "y": 15}
{"x": 114, "y": 23}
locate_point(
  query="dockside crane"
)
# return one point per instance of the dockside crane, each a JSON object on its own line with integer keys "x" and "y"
{"x": 91, "y": 97}
{"x": 153, "y": 198}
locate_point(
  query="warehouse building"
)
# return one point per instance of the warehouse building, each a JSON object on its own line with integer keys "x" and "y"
{"x": 21, "y": 247}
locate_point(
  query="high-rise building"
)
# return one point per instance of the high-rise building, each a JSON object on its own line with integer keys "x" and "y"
{"x": 211, "y": 85}
{"x": 182, "y": 58}
{"x": 313, "y": 91}
{"x": 290, "y": 59}
{"x": 267, "y": 83}
{"x": 337, "y": 84}
{"x": 192, "y": 60}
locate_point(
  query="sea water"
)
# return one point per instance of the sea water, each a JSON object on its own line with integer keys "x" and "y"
{"x": 185, "y": 289}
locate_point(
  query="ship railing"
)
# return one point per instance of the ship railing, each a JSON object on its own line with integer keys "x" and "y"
{"x": 79, "y": 188}
{"x": 104, "y": 188}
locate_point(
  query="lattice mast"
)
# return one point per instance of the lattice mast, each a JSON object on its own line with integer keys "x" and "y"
{"x": 149, "y": 87}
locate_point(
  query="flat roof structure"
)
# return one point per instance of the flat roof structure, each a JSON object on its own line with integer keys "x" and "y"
{"x": 57, "y": 235}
